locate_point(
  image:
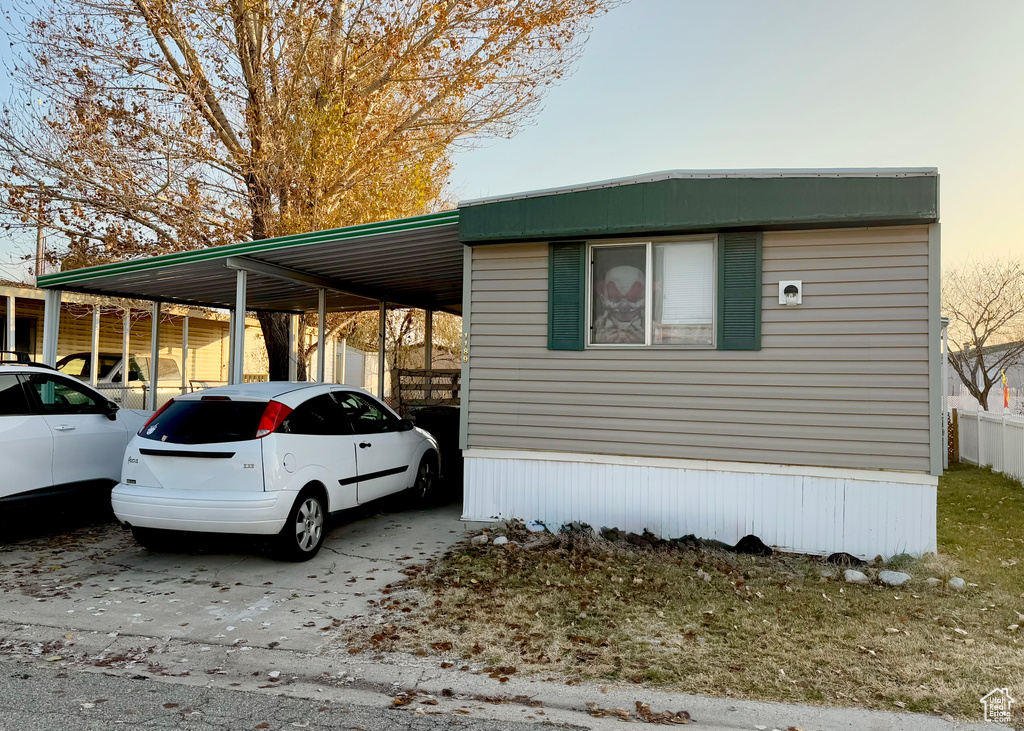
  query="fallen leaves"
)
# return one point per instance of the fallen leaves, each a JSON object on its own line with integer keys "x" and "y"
{"x": 642, "y": 713}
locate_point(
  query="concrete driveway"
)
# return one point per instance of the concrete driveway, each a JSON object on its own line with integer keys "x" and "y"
{"x": 95, "y": 578}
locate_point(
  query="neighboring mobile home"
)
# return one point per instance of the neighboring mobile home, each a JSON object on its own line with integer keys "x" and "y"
{"x": 715, "y": 353}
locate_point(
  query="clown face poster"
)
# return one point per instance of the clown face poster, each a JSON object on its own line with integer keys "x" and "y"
{"x": 619, "y": 288}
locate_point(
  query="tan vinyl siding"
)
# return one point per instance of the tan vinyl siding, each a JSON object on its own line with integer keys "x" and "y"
{"x": 840, "y": 381}
{"x": 207, "y": 339}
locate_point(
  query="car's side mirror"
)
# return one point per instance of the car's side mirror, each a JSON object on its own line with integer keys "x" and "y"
{"x": 110, "y": 410}
{"x": 133, "y": 376}
{"x": 405, "y": 425}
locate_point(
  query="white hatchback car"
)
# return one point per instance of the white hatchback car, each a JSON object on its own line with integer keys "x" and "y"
{"x": 268, "y": 459}
{"x": 58, "y": 435}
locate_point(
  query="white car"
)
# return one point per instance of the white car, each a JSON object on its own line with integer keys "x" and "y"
{"x": 268, "y": 459}
{"x": 57, "y": 434}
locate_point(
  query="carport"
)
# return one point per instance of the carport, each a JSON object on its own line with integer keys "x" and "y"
{"x": 411, "y": 263}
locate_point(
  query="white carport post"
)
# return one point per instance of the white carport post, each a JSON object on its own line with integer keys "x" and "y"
{"x": 321, "y": 326}
{"x": 9, "y": 325}
{"x": 51, "y": 326}
{"x": 125, "y": 338}
{"x": 293, "y": 348}
{"x": 154, "y": 356}
{"x": 428, "y": 340}
{"x": 237, "y": 341}
{"x": 94, "y": 354}
{"x": 184, "y": 354}
{"x": 381, "y": 347}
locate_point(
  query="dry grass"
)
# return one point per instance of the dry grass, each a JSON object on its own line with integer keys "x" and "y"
{"x": 709, "y": 621}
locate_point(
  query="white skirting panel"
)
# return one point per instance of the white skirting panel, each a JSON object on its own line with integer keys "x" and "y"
{"x": 815, "y": 510}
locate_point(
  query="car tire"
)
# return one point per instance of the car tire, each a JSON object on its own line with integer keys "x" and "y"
{"x": 304, "y": 531}
{"x": 424, "y": 489}
{"x": 153, "y": 539}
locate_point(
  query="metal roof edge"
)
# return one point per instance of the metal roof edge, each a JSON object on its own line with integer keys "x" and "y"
{"x": 713, "y": 174}
{"x": 411, "y": 223}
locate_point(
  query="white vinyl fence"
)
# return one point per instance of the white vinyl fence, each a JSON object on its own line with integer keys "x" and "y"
{"x": 995, "y": 440}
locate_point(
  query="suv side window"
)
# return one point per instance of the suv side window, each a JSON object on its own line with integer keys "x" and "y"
{"x": 13, "y": 401}
{"x": 365, "y": 415}
{"x": 57, "y": 395}
{"x": 320, "y": 415}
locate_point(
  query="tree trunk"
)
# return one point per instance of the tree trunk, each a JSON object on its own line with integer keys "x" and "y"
{"x": 275, "y": 336}
{"x": 273, "y": 324}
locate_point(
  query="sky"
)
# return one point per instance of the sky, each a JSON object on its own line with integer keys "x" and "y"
{"x": 682, "y": 84}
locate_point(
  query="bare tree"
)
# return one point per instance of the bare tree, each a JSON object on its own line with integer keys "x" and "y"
{"x": 148, "y": 126}
{"x": 984, "y": 301}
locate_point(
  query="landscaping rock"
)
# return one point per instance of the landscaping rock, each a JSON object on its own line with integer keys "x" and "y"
{"x": 752, "y": 545}
{"x": 893, "y": 578}
{"x": 957, "y": 583}
{"x": 851, "y": 576}
{"x": 932, "y": 582}
{"x": 500, "y": 541}
{"x": 844, "y": 559}
{"x": 612, "y": 534}
{"x": 479, "y": 540}
{"x": 535, "y": 526}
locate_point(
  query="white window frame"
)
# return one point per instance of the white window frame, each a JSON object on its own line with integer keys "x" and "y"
{"x": 649, "y": 291}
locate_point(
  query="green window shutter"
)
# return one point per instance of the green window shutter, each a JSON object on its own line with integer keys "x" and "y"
{"x": 739, "y": 292}
{"x": 567, "y": 307}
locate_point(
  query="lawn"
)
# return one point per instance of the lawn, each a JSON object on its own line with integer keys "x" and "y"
{"x": 704, "y": 620}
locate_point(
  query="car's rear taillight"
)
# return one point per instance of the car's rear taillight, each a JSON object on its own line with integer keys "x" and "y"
{"x": 157, "y": 413}
{"x": 273, "y": 416}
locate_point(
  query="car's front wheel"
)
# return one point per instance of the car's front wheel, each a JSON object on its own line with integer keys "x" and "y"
{"x": 424, "y": 490}
{"x": 304, "y": 531}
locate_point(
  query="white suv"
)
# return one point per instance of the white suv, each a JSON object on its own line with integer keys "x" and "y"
{"x": 268, "y": 459}
{"x": 57, "y": 435}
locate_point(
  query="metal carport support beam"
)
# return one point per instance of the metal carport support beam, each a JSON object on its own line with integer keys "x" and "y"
{"x": 321, "y": 328}
{"x": 51, "y": 326}
{"x": 10, "y": 322}
{"x": 244, "y": 263}
{"x": 154, "y": 356}
{"x": 237, "y": 350}
{"x": 381, "y": 348}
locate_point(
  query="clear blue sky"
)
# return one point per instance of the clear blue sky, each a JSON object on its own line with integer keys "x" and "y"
{"x": 667, "y": 84}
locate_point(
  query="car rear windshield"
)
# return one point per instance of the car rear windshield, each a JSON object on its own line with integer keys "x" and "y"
{"x": 206, "y": 422}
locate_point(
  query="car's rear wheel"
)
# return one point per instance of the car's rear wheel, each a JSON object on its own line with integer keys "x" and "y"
{"x": 424, "y": 490}
{"x": 304, "y": 531}
{"x": 153, "y": 539}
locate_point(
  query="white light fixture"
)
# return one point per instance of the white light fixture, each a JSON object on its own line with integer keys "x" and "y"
{"x": 791, "y": 292}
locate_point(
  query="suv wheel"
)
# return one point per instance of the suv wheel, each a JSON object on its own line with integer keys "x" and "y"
{"x": 303, "y": 532}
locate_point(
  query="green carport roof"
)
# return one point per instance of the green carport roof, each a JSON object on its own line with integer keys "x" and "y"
{"x": 415, "y": 262}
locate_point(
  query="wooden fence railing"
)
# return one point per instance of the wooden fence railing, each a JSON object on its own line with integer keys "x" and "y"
{"x": 414, "y": 388}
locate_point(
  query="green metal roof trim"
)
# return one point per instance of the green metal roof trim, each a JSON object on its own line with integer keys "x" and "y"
{"x": 689, "y": 203}
{"x": 75, "y": 276}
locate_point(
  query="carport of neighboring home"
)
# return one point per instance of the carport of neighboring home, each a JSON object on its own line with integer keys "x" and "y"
{"x": 718, "y": 353}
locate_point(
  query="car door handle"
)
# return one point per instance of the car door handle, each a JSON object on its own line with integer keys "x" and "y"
{"x": 64, "y": 427}
{"x": 364, "y": 445}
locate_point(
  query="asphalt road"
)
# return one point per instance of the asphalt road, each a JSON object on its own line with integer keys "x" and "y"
{"x": 39, "y": 698}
